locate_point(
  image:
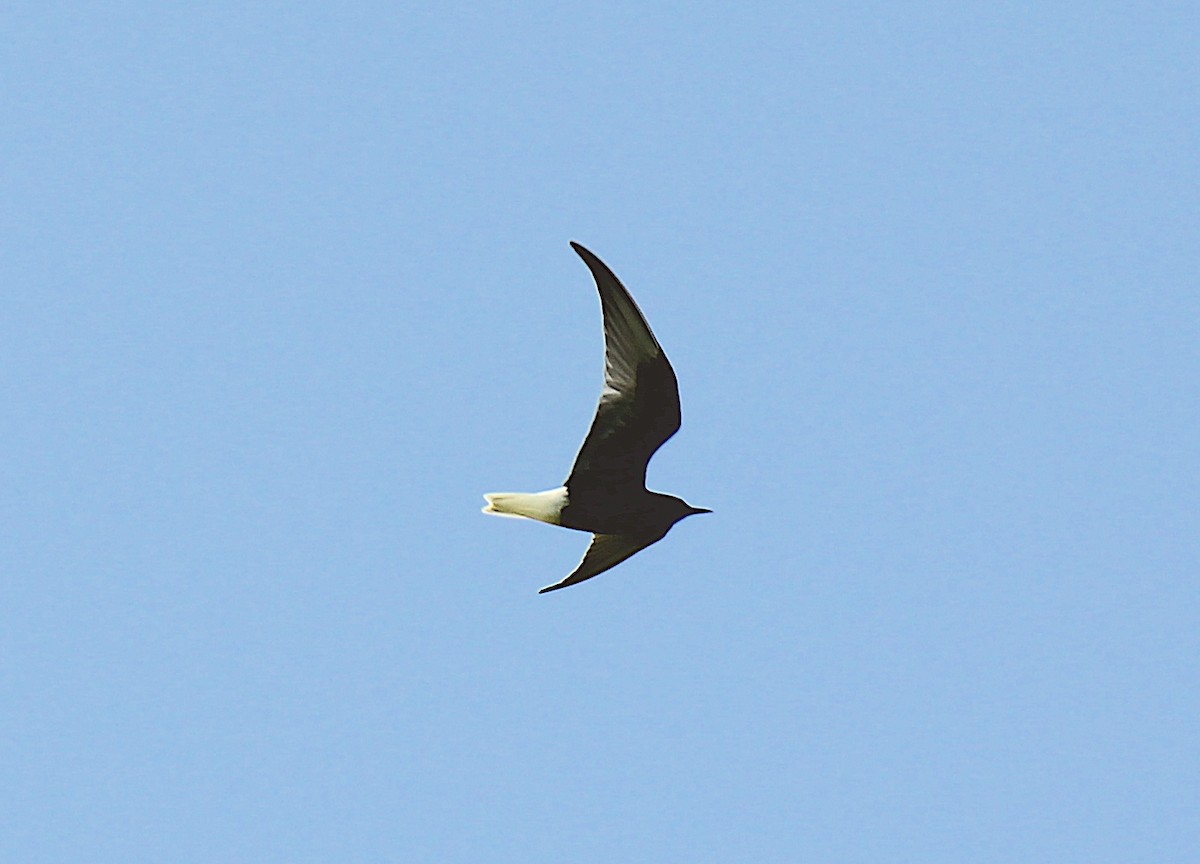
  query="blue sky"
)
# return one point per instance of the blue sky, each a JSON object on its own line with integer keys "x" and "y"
{"x": 287, "y": 288}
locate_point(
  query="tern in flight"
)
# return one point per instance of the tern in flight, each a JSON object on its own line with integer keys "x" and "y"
{"x": 606, "y": 493}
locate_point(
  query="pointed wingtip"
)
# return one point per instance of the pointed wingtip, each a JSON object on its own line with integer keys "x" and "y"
{"x": 548, "y": 588}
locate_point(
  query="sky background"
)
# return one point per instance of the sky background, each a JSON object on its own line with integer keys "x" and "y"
{"x": 286, "y": 287}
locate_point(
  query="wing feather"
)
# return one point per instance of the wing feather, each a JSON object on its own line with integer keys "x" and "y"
{"x": 606, "y": 551}
{"x": 639, "y": 406}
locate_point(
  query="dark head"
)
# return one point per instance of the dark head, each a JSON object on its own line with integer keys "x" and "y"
{"x": 680, "y": 509}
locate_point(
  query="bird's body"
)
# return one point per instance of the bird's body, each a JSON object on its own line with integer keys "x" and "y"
{"x": 622, "y": 512}
{"x": 606, "y": 492}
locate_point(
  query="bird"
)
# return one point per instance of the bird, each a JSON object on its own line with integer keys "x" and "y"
{"x": 605, "y": 493}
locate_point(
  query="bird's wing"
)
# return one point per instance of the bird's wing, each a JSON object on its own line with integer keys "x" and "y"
{"x": 639, "y": 407}
{"x": 607, "y": 550}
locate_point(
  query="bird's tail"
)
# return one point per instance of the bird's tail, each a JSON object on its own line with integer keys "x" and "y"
{"x": 543, "y": 506}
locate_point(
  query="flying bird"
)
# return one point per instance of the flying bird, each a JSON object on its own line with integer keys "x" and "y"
{"x": 605, "y": 492}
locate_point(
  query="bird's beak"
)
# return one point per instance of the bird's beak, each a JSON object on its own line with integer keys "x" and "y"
{"x": 696, "y": 510}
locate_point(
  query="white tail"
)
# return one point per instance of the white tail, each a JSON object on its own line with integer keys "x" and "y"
{"x": 543, "y": 506}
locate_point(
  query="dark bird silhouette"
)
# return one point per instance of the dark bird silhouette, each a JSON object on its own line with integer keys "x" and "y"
{"x": 639, "y": 410}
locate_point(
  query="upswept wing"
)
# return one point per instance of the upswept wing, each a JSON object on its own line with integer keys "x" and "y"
{"x": 639, "y": 407}
{"x": 606, "y": 551}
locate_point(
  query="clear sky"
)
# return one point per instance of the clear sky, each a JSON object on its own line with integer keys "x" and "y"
{"x": 286, "y": 287}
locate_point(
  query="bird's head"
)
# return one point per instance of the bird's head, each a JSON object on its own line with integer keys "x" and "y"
{"x": 680, "y": 509}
